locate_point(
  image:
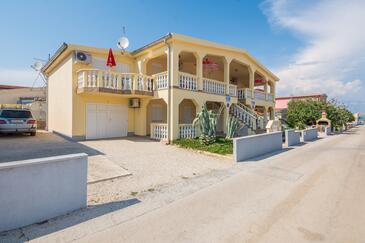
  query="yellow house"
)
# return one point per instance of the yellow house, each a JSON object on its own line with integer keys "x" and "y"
{"x": 155, "y": 90}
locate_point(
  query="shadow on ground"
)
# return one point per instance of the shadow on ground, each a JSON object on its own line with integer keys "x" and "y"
{"x": 21, "y": 147}
{"x": 38, "y": 230}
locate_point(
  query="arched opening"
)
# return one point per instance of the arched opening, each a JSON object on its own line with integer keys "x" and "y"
{"x": 156, "y": 113}
{"x": 213, "y": 67}
{"x": 187, "y": 63}
{"x": 156, "y": 65}
{"x": 239, "y": 74}
{"x": 187, "y": 111}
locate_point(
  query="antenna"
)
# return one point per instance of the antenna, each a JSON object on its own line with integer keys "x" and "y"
{"x": 37, "y": 66}
{"x": 123, "y": 42}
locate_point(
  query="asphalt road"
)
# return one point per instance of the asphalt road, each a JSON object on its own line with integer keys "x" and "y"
{"x": 313, "y": 193}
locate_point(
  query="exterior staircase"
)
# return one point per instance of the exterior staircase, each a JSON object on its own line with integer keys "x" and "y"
{"x": 247, "y": 116}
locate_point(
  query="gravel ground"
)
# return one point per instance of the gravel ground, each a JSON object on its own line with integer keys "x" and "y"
{"x": 153, "y": 166}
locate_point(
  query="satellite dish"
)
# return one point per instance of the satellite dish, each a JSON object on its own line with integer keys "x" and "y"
{"x": 37, "y": 66}
{"x": 123, "y": 43}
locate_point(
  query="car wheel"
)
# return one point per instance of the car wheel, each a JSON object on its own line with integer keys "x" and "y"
{"x": 32, "y": 133}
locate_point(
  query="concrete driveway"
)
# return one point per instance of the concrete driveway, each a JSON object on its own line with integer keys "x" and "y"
{"x": 151, "y": 164}
{"x": 44, "y": 144}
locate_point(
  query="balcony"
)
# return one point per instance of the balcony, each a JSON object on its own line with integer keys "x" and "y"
{"x": 246, "y": 93}
{"x": 95, "y": 80}
{"x": 161, "y": 80}
{"x": 188, "y": 81}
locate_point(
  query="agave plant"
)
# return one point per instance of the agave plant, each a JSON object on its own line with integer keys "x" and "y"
{"x": 232, "y": 125}
{"x": 206, "y": 120}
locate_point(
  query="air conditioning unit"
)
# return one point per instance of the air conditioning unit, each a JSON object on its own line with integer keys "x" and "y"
{"x": 134, "y": 103}
{"x": 83, "y": 57}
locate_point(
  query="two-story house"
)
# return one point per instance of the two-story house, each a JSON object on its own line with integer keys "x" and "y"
{"x": 155, "y": 90}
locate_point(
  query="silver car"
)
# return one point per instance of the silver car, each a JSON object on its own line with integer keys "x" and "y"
{"x": 17, "y": 121}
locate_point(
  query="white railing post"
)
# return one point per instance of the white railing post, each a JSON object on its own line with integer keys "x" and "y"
{"x": 187, "y": 131}
{"x": 159, "y": 131}
{"x": 187, "y": 81}
{"x": 214, "y": 86}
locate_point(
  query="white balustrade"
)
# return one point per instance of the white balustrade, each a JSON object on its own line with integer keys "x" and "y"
{"x": 244, "y": 93}
{"x": 248, "y": 93}
{"x": 159, "y": 131}
{"x": 214, "y": 86}
{"x": 259, "y": 95}
{"x": 144, "y": 83}
{"x": 161, "y": 80}
{"x": 126, "y": 81}
{"x": 270, "y": 97}
{"x": 188, "y": 81}
{"x": 187, "y": 131}
{"x": 232, "y": 90}
{"x": 247, "y": 116}
{"x": 241, "y": 93}
{"x": 81, "y": 79}
{"x": 94, "y": 78}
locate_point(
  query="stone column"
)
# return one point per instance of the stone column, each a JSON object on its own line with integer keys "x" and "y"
{"x": 265, "y": 116}
{"x": 227, "y": 61}
{"x": 199, "y": 70}
{"x": 252, "y": 81}
{"x": 174, "y": 64}
{"x": 265, "y": 88}
{"x": 174, "y": 116}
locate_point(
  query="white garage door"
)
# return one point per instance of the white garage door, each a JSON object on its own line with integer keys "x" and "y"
{"x": 106, "y": 121}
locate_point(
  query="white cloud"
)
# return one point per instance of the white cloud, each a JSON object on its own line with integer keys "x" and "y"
{"x": 22, "y": 77}
{"x": 332, "y": 58}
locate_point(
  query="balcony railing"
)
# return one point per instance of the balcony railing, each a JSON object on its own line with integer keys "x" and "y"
{"x": 159, "y": 131}
{"x": 188, "y": 81}
{"x": 270, "y": 97}
{"x": 187, "y": 131}
{"x": 161, "y": 80}
{"x": 259, "y": 95}
{"x": 214, "y": 86}
{"x": 95, "y": 78}
{"x": 244, "y": 93}
{"x": 232, "y": 90}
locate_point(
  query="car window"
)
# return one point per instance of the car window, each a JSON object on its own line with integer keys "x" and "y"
{"x": 16, "y": 114}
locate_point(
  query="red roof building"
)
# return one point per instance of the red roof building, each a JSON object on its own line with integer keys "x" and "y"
{"x": 10, "y": 87}
{"x": 281, "y": 103}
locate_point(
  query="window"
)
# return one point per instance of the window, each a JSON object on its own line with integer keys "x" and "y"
{"x": 16, "y": 114}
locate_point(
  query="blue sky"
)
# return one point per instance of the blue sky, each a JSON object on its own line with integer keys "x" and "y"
{"x": 275, "y": 32}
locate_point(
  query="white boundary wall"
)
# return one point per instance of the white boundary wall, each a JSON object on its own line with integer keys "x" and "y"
{"x": 39, "y": 189}
{"x": 292, "y": 137}
{"x": 252, "y": 146}
{"x": 309, "y": 134}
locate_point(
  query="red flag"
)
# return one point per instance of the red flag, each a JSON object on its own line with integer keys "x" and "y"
{"x": 110, "y": 61}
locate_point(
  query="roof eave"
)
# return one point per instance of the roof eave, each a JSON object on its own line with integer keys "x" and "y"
{"x": 59, "y": 51}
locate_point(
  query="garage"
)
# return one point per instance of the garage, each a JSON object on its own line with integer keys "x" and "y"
{"x": 106, "y": 121}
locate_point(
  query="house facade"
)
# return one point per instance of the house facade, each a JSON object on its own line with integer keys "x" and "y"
{"x": 155, "y": 90}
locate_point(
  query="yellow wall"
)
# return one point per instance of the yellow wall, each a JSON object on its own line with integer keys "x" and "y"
{"x": 60, "y": 98}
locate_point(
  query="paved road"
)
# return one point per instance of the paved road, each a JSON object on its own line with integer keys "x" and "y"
{"x": 314, "y": 193}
